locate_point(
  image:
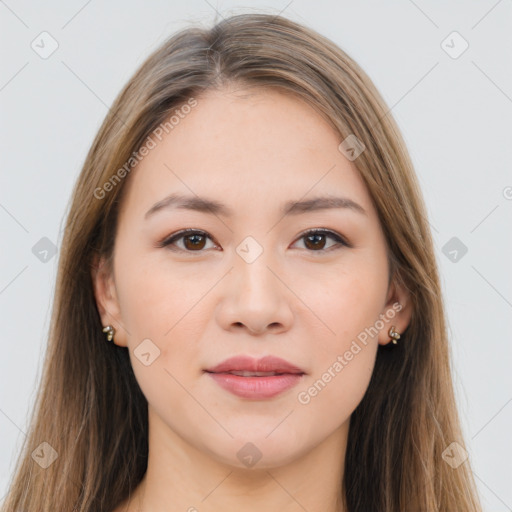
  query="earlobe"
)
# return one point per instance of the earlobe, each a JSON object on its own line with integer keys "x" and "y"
{"x": 397, "y": 312}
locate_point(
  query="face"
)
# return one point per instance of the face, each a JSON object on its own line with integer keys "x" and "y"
{"x": 256, "y": 277}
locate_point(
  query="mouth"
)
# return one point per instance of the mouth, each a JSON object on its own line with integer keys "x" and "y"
{"x": 254, "y": 379}
{"x": 245, "y": 373}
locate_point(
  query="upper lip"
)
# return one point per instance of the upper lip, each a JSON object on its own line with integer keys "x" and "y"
{"x": 250, "y": 364}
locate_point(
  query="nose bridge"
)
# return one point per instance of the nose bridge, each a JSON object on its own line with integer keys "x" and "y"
{"x": 254, "y": 297}
{"x": 251, "y": 267}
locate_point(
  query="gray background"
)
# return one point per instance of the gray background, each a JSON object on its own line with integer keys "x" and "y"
{"x": 455, "y": 114}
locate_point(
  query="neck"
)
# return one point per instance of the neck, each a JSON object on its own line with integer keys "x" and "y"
{"x": 181, "y": 477}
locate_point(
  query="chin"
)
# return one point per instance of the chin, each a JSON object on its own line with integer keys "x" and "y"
{"x": 259, "y": 451}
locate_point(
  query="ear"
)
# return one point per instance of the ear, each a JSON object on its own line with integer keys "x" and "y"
{"x": 106, "y": 299}
{"x": 396, "y": 313}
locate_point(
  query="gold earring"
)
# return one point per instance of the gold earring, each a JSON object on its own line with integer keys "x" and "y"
{"x": 394, "y": 335}
{"x": 110, "y": 332}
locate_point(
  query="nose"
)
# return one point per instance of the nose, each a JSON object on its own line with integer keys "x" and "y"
{"x": 255, "y": 299}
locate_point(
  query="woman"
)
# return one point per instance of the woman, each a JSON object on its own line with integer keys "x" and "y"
{"x": 248, "y": 313}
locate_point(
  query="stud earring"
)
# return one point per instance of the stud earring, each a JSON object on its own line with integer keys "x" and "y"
{"x": 394, "y": 335}
{"x": 110, "y": 332}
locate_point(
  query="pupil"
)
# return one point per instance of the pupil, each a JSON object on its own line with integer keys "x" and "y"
{"x": 196, "y": 243}
{"x": 317, "y": 238}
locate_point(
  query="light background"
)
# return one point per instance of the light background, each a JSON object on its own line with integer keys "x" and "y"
{"x": 455, "y": 114}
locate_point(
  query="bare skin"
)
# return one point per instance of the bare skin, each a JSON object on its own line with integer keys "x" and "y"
{"x": 303, "y": 300}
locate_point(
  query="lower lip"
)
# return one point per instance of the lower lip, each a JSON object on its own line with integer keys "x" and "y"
{"x": 256, "y": 387}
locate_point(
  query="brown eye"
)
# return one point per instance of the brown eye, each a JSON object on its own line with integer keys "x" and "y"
{"x": 193, "y": 241}
{"x": 196, "y": 241}
{"x": 316, "y": 240}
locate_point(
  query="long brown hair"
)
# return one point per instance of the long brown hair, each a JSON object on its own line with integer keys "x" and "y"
{"x": 90, "y": 409}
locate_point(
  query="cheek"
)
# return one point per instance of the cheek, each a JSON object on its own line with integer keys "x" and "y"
{"x": 337, "y": 389}
{"x": 350, "y": 304}
{"x": 343, "y": 359}
{"x": 156, "y": 296}
{"x": 150, "y": 308}
{"x": 157, "y": 308}
{"x": 348, "y": 299}
{"x": 163, "y": 303}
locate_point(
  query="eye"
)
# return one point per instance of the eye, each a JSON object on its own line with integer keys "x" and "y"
{"x": 193, "y": 240}
{"x": 315, "y": 240}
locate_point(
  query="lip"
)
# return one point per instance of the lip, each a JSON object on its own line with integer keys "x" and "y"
{"x": 256, "y": 387}
{"x": 250, "y": 364}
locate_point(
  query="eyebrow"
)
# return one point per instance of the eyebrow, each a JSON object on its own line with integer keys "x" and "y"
{"x": 206, "y": 205}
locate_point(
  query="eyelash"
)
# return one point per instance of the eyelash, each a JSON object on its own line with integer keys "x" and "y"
{"x": 181, "y": 234}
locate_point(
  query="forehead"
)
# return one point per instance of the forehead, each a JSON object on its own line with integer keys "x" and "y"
{"x": 256, "y": 145}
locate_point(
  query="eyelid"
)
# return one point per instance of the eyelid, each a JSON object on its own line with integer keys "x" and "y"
{"x": 334, "y": 234}
{"x": 168, "y": 240}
